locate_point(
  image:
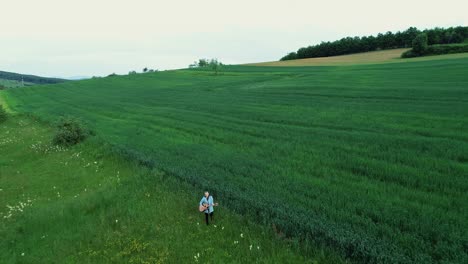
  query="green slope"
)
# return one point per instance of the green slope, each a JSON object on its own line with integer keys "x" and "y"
{"x": 87, "y": 205}
{"x": 368, "y": 160}
{"x": 13, "y": 80}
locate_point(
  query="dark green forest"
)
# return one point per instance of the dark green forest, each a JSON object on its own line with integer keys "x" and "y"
{"x": 389, "y": 40}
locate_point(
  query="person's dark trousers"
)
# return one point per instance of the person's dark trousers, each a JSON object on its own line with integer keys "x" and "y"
{"x": 206, "y": 217}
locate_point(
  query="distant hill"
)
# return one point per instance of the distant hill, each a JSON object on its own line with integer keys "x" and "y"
{"x": 12, "y": 80}
{"x": 371, "y": 57}
{"x": 78, "y": 77}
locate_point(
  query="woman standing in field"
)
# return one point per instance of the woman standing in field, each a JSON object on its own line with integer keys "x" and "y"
{"x": 207, "y": 204}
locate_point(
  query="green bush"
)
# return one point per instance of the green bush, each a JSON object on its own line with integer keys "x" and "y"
{"x": 3, "y": 114}
{"x": 409, "y": 54}
{"x": 446, "y": 49}
{"x": 70, "y": 131}
{"x": 437, "y": 50}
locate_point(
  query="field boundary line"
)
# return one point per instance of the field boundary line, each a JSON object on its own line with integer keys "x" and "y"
{"x": 4, "y": 103}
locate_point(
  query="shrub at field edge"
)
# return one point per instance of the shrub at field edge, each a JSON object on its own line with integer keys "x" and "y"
{"x": 70, "y": 131}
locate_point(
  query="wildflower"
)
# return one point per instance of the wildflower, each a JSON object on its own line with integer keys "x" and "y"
{"x": 95, "y": 162}
{"x": 22, "y": 254}
{"x": 116, "y": 220}
{"x": 215, "y": 226}
{"x": 198, "y": 223}
{"x": 250, "y": 247}
{"x": 236, "y": 242}
{"x": 242, "y": 235}
{"x": 258, "y": 247}
{"x": 222, "y": 228}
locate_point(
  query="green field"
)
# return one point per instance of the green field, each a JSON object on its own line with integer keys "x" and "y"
{"x": 370, "y": 161}
{"x": 13, "y": 83}
{"x": 86, "y": 204}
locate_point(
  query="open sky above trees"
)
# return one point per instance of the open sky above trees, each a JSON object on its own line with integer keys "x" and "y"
{"x": 72, "y": 38}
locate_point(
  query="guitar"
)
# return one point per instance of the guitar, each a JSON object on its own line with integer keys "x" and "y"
{"x": 205, "y": 206}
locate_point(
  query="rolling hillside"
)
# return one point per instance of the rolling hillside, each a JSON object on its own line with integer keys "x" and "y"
{"x": 13, "y": 80}
{"x": 373, "y": 57}
{"x": 369, "y": 161}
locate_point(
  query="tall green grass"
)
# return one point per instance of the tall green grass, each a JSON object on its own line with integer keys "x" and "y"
{"x": 85, "y": 204}
{"x": 370, "y": 161}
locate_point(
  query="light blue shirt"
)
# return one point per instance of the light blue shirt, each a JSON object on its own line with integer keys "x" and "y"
{"x": 208, "y": 201}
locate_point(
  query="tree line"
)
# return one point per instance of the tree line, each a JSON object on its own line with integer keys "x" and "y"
{"x": 389, "y": 40}
{"x": 421, "y": 48}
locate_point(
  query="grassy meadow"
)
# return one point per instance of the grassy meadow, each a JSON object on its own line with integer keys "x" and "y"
{"x": 85, "y": 204}
{"x": 370, "y": 161}
{"x": 13, "y": 83}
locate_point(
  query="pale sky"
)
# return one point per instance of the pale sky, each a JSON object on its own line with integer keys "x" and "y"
{"x": 97, "y": 37}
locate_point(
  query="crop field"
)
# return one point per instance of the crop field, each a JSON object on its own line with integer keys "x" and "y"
{"x": 372, "y": 57}
{"x": 370, "y": 161}
{"x": 85, "y": 204}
